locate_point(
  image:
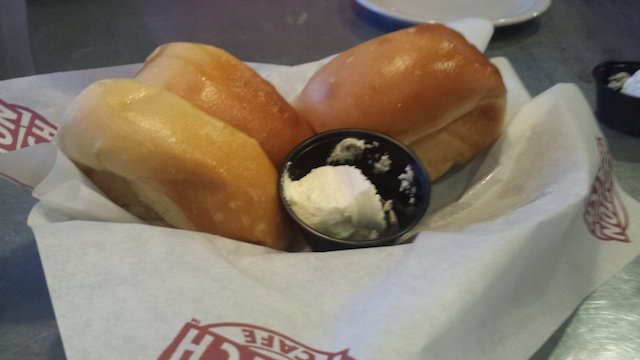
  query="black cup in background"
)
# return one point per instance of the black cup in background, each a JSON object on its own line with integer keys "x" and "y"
{"x": 617, "y": 110}
{"x": 314, "y": 153}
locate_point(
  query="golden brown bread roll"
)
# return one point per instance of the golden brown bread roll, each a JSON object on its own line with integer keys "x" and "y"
{"x": 226, "y": 88}
{"x": 424, "y": 85}
{"x": 195, "y": 171}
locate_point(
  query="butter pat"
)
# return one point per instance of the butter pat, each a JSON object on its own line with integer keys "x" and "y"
{"x": 338, "y": 201}
{"x": 631, "y": 86}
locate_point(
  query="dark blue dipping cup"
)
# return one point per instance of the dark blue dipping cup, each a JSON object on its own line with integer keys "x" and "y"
{"x": 407, "y": 208}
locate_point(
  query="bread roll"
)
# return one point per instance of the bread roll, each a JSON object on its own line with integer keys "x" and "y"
{"x": 194, "y": 171}
{"x": 226, "y": 88}
{"x": 425, "y": 85}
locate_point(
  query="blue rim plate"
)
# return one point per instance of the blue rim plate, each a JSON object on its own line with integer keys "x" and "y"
{"x": 499, "y": 12}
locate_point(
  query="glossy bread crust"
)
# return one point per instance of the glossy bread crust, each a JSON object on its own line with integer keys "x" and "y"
{"x": 424, "y": 85}
{"x": 226, "y": 88}
{"x": 193, "y": 170}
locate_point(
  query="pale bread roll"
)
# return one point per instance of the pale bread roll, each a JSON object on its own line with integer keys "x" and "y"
{"x": 226, "y": 88}
{"x": 425, "y": 85}
{"x": 193, "y": 170}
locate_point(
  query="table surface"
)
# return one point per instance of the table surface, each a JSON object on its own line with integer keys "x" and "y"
{"x": 39, "y": 36}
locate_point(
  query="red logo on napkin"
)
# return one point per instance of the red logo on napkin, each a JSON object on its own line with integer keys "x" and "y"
{"x": 21, "y": 127}
{"x": 235, "y": 341}
{"x": 604, "y": 213}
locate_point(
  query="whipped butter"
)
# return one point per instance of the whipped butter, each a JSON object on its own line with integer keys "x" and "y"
{"x": 348, "y": 149}
{"x": 631, "y": 85}
{"x": 625, "y": 83}
{"x": 338, "y": 201}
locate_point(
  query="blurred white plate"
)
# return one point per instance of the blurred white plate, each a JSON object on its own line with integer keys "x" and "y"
{"x": 499, "y": 12}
